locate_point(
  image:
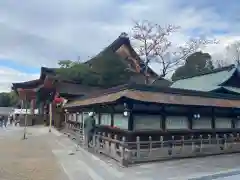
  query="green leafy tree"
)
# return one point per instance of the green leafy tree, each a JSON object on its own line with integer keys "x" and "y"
{"x": 196, "y": 63}
{"x": 4, "y": 100}
{"x": 8, "y": 99}
{"x": 78, "y": 72}
{"x": 65, "y": 63}
{"x": 111, "y": 68}
{"x": 13, "y": 98}
{"x": 105, "y": 70}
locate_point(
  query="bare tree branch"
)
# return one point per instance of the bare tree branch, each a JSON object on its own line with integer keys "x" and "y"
{"x": 221, "y": 63}
{"x": 154, "y": 45}
{"x": 233, "y": 52}
{"x": 151, "y": 38}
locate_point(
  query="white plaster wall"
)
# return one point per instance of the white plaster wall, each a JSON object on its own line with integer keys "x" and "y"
{"x": 223, "y": 122}
{"x": 120, "y": 121}
{"x": 202, "y": 123}
{"x": 106, "y": 119}
{"x": 149, "y": 122}
{"x": 176, "y": 122}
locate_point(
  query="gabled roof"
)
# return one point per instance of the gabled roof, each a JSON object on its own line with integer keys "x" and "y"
{"x": 47, "y": 71}
{"x": 208, "y": 81}
{"x": 27, "y": 84}
{"x": 34, "y": 83}
{"x": 151, "y": 94}
{"x": 113, "y": 47}
{"x": 123, "y": 39}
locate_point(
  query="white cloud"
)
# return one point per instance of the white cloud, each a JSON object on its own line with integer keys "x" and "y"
{"x": 39, "y": 33}
{"x": 9, "y": 76}
{"x": 42, "y": 32}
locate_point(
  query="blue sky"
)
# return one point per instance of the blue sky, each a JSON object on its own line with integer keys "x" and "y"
{"x": 37, "y": 33}
{"x": 19, "y": 66}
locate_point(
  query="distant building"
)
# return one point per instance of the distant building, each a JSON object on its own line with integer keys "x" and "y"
{"x": 5, "y": 111}
{"x": 222, "y": 80}
{"x": 24, "y": 111}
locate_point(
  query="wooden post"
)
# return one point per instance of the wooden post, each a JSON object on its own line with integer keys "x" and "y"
{"x": 124, "y": 161}
{"x": 32, "y": 108}
{"x": 25, "y": 119}
{"x": 213, "y": 121}
{"x": 193, "y": 144}
{"x": 50, "y": 117}
{"x": 217, "y": 138}
{"x": 225, "y": 141}
{"x": 173, "y": 142}
{"x": 162, "y": 141}
{"x": 114, "y": 147}
{"x": 98, "y": 145}
{"x": 201, "y": 143}
{"x": 138, "y": 146}
{"x": 209, "y": 139}
{"x": 150, "y": 145}
{"x": 183, "y": 141}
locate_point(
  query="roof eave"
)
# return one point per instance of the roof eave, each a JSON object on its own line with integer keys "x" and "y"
{"x": 233, "y": 73}
{"x": 27, "y": 84}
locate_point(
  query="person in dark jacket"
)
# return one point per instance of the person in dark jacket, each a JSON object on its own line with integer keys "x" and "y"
{"x": 11, "y": 119}
{"x": 89, "y": 128}
{"x": 1, "y": 121}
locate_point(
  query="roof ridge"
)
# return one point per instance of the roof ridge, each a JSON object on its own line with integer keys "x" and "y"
{"x": 230, "y": 67}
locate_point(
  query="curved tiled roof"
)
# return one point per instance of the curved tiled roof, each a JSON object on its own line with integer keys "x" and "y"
{"x": 207, "y": 81}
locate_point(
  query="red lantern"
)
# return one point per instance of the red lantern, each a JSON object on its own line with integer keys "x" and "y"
{"x": 58, "y": 100}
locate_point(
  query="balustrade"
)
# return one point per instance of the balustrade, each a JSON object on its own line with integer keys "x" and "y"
{"x": 140, "y": 151}
{"x": 127, "y": 152}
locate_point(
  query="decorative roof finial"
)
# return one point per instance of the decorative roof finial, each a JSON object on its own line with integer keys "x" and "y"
{"x": 123, "y": 34}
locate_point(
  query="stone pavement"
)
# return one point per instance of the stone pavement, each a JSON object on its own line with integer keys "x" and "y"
{"x": 30, "y": 159}
{"x": 99, "y": 167}
{"x": 82, "y": 165}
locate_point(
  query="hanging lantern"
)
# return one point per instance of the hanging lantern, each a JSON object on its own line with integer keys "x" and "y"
{"x": 196, "y": 116}
{"x": 58, "y": 100}
{"x": 126, "y": 110}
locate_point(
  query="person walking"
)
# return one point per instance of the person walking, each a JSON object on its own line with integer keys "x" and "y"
{"x": 1, "y": 121}
{"x": 5, "y": 120}
{"x": 11, "y": 119}
{"x": 89, "y": 128}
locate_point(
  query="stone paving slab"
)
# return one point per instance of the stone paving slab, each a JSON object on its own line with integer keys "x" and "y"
{"x": 176, "y": 169}
{"x": 83, "y": 165}
{"x": 30, "y": 159}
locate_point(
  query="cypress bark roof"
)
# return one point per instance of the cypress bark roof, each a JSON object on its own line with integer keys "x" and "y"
{"x": 151, "y": 94}
{"x": 118, "y": 43}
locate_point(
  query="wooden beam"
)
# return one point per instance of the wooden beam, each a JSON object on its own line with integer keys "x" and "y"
{"x": 213, "y": 118}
